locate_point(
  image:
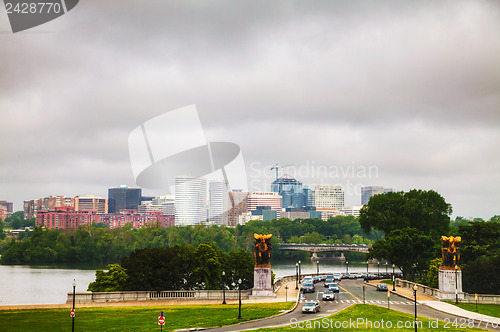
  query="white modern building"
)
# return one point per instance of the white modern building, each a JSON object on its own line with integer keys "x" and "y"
{"x": 218, "y": 204}
{"x": 352, "y": 210}
{"x": 190, "y": 200}
{"x": 168, "y": 204}
{"x": 330, "y": 197}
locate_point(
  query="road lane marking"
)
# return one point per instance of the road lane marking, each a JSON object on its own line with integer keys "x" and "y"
{"x": 348, "y": 292}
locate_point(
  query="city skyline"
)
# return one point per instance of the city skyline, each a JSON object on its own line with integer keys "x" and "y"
{"x": 407, "y": 92}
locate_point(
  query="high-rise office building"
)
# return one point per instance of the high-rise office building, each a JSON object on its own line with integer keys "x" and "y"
{"x": 367, "y": 192}
{"x": 32, "y": 207}
{"x": 8, "y": 206}
{"x": 308, "y": 196}
{"x": 91, "y": 203}
{"x": 271, "y": 199}
{"x": 291, "y": 191}
{"x": 190, "y": 200}
{"x": 123, "y": 198}
{"x": 218, "y": 202}
{"x": 330, "y": 197}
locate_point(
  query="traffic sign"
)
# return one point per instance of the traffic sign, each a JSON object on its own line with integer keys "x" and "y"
{"x": 72, "y": 313}
{"x": 161, "y": 320}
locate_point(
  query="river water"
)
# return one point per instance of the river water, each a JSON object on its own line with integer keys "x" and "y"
{"x": 22, "y": 284}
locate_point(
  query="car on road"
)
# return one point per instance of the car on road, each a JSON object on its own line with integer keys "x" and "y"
{"x": 352, "y": 276}
{"x": 307, "y": 280}
{"x": 316, "y": 279}
{"x": 337, "y": 276}
{"x": 308, "y": 288}
{"x": 382, "y": 287}
{"x": 311, "y": 307}
{"x": 360, "y": 275}
{"x": 328, "y": 282}
{"x": 370, "y": 276}
{"x": 334, "y": 287}
{"x": 328, "y": 295}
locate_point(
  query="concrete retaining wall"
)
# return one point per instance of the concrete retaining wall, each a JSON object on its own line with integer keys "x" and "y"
{"x": 103, "y": 297}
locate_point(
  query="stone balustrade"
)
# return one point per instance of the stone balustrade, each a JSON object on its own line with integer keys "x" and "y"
{"x": 103, "y": 297}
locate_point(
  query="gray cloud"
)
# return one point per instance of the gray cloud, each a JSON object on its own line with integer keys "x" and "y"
{"x": 412, "y": 88}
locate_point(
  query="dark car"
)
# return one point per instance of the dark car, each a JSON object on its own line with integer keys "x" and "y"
{"x": 382, "y": 287}
{"x": 308, "y": 288}
{"x": 328, "y": 281}
{"x": 370, "y": 276}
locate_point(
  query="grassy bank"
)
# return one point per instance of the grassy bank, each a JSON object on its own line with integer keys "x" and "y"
{"x": 485, "y": 309}
{"x": 372, "y": 318}
{"x": 134, "y": 318}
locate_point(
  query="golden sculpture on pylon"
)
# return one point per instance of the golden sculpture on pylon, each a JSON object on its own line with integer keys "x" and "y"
{"x": 262, "y": 250}
{"x": 450, "y": 252}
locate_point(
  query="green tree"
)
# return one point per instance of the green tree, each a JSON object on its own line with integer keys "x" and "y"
{"x": 209, "y": 262}
{"x": 111, "y": 281}
{"x": 431, "y": 278}
{"x": 480, "y": 257}
{"x": 409, "y": 249}
{"x": 240, "y": 264}
{"x": 426, "y": 211}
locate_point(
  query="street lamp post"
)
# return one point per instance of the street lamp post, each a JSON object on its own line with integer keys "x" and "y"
{"x": 378, "y": 269}
{"x": 239, "y": 298}
{"x": 386, "y": 268}
{"x": 300, "y": 272}
{"x": 347, "y": 267}
{"x": 366, "y": 267}
{"x": 415, "y": 295}
{"x": 393, "y": 278}
{"x": 456, "y": 284}
{"x": 73, "y": 313}
{"x": 317, "y": 268}
{"x": 296, "y": 275}
{"x": 223, "y": 287}
{"x": 286, "y": 293}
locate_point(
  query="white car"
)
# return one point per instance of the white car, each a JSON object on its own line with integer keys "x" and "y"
{"x": 328, "y": 296}
{"x": 310, "y": 307}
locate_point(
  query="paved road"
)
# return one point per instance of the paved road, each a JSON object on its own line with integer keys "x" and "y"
{"x": 351, "y": 293}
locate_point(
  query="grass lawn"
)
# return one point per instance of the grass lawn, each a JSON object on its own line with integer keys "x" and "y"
{"x": 485, "y": 309}
{"x": 135, "y": 318}
{"x": 386, "y": 319}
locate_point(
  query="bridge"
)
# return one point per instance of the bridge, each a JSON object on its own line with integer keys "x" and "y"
{"x": 325, "y": 247}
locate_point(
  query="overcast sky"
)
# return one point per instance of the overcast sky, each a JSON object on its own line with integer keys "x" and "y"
{"x": 393, "y": 93}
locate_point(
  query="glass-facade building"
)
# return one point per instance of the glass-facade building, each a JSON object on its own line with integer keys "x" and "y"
{"x": 123, "y": 198}
{"x": 292, "y": 192}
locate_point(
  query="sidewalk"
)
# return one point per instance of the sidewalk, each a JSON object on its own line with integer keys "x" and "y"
{"x": 439, "y": 305}
{"x": 454, "y": 310}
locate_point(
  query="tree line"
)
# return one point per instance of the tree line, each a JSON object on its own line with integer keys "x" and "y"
{"x": 97, "y": 244}
{"x": 180, "y": 267}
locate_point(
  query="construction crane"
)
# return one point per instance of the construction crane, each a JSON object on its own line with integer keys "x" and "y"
{"x": 276, "y": 167}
